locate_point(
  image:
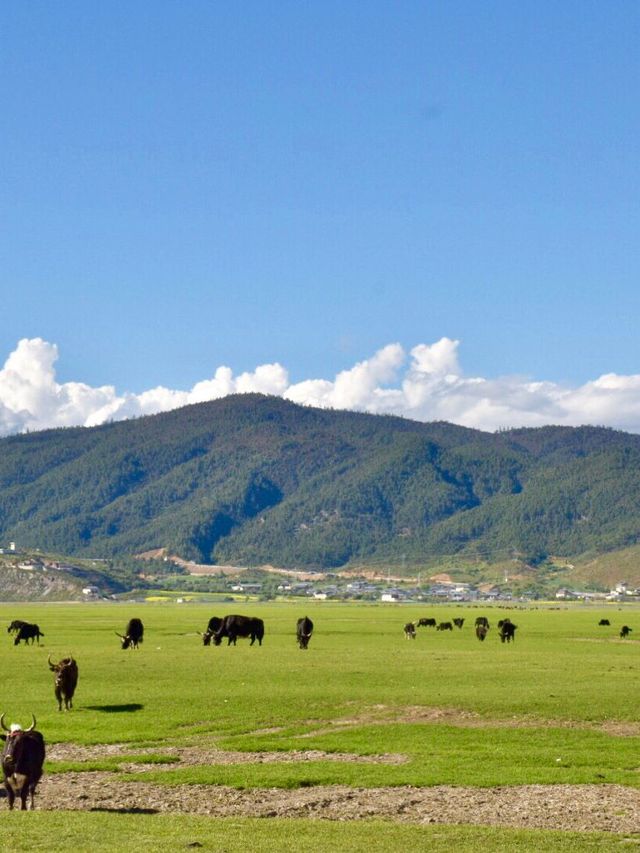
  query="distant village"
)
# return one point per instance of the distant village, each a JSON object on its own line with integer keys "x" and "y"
{"x": 449, "y": 591}
{"x": 330, "y": 586}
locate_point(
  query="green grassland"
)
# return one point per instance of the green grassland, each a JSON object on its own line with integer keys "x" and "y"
{"x": 541, "y": 710}
{"x": 562, "y": 667}
{"x": 24, "y": 833}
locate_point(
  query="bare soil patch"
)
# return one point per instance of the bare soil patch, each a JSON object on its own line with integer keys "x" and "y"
{"x": 608, "y": 808}
{"x": 383, "y": 714}
{"x": 193, "y": 755}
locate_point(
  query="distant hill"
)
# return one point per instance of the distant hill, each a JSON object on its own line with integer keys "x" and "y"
{"x": 250, "y": 480}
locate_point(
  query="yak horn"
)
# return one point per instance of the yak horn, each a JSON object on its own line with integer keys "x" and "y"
{"x": 52, "y": 665}
{"x": 2, "y": 723}
{"x": 119, "y": 635}
{"x": 33, "y": 724}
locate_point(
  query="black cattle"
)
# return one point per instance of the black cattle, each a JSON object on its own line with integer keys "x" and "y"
{"x": 133, "y": 635}
{"x": 22, "y": 760}
{"x": 604, "y": 622}
{"x": 625, "y": 631}
{"x": 444, "y": 626}
{"x": 458, "y": 622}
{"x": 482, "y": 620}
{"x": 235, "y": 626}
{"x": 212, "y": 626}
{"x": 304, "y": 630}
{"x": 507, "y": 631}
{"x": 16, "y": 625}
{"x": 427, "y": 623}
{"x": 27, "y": 632}
{"x": 481, "y": 632}
{"x": 65, "y": 681}
{"x": 410, "y": 631}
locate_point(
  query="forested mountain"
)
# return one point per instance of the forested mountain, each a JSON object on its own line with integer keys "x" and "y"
{"x": 251, "y": 480}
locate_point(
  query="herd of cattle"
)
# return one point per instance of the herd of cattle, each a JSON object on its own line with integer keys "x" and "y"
{"x": 235, "y": 626}
{"x": 24, "y": 749}
{"x": 624, "y": 631}
{"x": 506, "y": 628}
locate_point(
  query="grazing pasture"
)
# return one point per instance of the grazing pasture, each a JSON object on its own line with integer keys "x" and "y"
{"x": 362, "y": 708}
{"x": 100, "y": 832}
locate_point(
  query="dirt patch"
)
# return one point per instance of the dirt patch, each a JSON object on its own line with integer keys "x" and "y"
{"x": 469, "y": 719}
{"x": 194, "y": 755}
{"x": 77, "y": 752}
{"x": 191, "y": 567}
{"x": 610, "y": 808}
{"x": 385, "y": 715}
{"x": 581, "y": 808}
{"x": 618, "y": 728}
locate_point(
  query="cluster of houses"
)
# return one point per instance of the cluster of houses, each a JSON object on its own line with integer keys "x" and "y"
{"x": 449, "y": 591}
{"x": 379, "y": 591}
{"x": 621, "y": 592}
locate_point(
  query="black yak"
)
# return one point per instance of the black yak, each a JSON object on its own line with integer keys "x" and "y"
{"x": 133, "y": 635}
{"x": 65, "y": 682}
{"x": 304, "y": 630}
{"x": 22, "y": 760}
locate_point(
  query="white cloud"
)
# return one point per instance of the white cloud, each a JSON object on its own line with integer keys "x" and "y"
{"x": 357, "y": 388}
{"x": 30, "y": 397}
{"x": 425, "y": 384}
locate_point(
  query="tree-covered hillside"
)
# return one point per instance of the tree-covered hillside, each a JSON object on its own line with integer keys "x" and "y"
{"x": 251, "y": 480}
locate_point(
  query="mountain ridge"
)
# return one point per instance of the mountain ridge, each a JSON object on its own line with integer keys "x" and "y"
{"x": 252, "y": 479}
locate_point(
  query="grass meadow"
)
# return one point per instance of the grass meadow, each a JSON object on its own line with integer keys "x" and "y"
{"x": 541, "y": 710}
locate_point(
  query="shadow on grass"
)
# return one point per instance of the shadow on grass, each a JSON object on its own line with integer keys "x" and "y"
{"x": 116, "y": 709}
{"x": 132, "y": 810}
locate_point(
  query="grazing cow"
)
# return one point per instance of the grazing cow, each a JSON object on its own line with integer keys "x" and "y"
{"x": 427, "y": 623}
{"x": 235, "y": 626}
{"x": 482, "y": 620}
{"x": 507, "y": 631}
{"x": 481, "y": 632}
{"x": 213, "y": 625}
{"x": 444, "y": 626}
{"x": 304, "y": 630}
{"x": 458, "y": 622}
{"x": 625, "y": 631}
{"x": 65, "y": 681}
{"x": 604, "y": 622}
{"x": 22, "y": 760}
{"x": 410, "y": 631}
{"x": 28, "y": 632}
{"x": 133, "y": 635}
{"x": 16, "y": 625}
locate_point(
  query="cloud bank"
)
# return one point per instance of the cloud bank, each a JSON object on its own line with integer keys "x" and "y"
{"x": 424, "y": 384}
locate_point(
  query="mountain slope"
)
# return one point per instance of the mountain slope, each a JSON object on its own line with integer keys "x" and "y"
{"x": 253, "y": 479}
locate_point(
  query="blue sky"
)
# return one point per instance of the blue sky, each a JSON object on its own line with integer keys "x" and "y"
{"x": 188, "y": 185}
